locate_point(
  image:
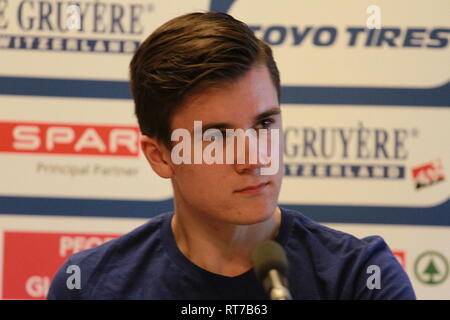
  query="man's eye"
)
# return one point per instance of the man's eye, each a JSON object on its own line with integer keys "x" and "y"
{"x": 265, "y": 123}
{"x": 216, "y": 134}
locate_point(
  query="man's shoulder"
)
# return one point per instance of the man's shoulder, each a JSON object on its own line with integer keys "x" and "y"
{"x": 143, "y": 235}
{"x": 316, "y": 233}
{"x": 109, "y": 259}
{"x": 331, "y": 245}
{"x": 346, "y": 262}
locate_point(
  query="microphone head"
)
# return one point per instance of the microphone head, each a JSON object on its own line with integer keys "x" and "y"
{"x": 269, "y": 255}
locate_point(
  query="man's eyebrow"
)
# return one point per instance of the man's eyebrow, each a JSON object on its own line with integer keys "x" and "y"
{"x": 271, "y": 112}
{"x": 259, "y": 117}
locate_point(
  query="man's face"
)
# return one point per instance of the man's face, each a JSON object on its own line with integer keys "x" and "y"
{"x": 213, "y": 190}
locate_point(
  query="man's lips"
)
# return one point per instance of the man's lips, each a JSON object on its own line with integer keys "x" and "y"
{"x": 254, "y": 188}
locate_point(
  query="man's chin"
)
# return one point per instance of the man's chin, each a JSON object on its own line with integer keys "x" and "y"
{"x": 253, "y": 216}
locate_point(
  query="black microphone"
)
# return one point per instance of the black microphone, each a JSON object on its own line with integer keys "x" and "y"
{"x": 271, "y": 267}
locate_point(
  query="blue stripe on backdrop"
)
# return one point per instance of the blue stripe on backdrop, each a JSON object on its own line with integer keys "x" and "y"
{"x": 438, "y": 215}
{"x": 433, "y": 97}
{"x": 72, "y": 88}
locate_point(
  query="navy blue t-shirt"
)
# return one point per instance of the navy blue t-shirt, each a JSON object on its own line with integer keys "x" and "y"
{"x": 147, "y": 264}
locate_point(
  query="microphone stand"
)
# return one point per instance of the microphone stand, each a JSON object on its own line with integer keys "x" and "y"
{"x": 278, "y": 291}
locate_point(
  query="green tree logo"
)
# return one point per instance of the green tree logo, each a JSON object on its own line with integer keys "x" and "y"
{"x": 431, "y": 271}
{"x": 431, "y": 268}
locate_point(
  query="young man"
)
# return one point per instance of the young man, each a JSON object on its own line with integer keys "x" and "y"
{"x": 209, "y": 67}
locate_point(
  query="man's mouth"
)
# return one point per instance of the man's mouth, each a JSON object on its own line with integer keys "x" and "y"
{"x": 253, "y": 189}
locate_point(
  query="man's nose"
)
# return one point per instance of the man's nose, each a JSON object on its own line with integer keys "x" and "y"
{"x": 250, "y": 156}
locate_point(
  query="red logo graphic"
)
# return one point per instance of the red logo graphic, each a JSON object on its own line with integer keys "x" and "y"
{"x": 31, "y": 259}
{"x": 428, "y": 173}
{"x": 79, "y": 139}
{"x": 401, "y": 257}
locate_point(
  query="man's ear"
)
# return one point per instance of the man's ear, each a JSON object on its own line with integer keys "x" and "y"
{"x": 158, "y": 156}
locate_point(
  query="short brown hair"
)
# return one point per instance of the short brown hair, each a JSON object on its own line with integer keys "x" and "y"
{"x": 186, "y": 55}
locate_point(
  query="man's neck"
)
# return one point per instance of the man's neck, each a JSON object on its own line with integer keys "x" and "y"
{"x": 221, "y": 248}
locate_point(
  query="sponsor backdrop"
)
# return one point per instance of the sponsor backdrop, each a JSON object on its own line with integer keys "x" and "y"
{"x": 365, "y": 101}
